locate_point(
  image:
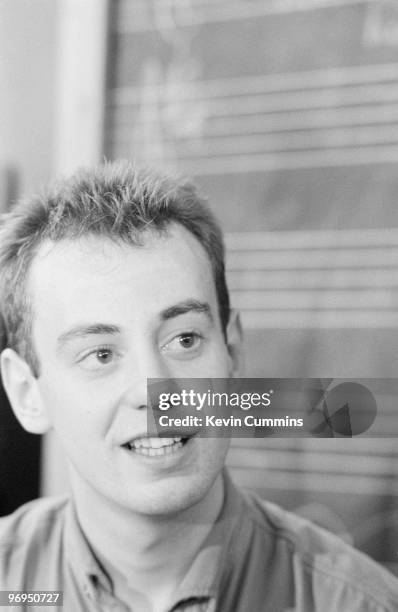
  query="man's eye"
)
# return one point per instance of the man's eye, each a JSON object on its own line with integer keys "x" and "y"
{"x": 187, "y": 341}
{"x": 104, "y": 356}
{"x": 184, "y": 342}
{"x": 97, "y": 358}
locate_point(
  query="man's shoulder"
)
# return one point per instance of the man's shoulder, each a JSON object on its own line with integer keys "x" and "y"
{"x": 39, "y": 516}
{"x": 27, "y": 534}
{"x": 324, "y": 561}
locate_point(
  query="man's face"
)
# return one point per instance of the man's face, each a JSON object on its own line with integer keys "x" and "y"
{"x": 106, "y": 317}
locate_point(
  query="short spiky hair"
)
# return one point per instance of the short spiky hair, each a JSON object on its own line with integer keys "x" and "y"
{"x": 115, "y": 200}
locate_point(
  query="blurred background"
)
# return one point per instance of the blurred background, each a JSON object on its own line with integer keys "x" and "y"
{"x": 285, "y": 113}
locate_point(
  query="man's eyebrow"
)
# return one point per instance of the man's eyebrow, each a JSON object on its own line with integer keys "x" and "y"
{"x": 82, "y": 331}
{"x": 186, "y": 307}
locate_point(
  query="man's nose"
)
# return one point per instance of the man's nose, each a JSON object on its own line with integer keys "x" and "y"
{"x": 146, "y": 367}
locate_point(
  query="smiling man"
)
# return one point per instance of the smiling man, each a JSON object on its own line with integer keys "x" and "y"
{"x": 113, "y": 277}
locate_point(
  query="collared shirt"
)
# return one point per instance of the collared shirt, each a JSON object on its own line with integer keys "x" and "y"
{"x": 257, "y": 558}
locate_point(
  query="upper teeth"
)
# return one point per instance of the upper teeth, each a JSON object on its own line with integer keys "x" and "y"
{"x": 153, "y": 442}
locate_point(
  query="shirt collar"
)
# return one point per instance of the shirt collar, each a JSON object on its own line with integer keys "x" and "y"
{"x": 85, "y": 566}
{"x": 204, "y": 575}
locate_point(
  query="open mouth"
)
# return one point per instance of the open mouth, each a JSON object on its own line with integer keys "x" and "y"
{"x": 156, "y": 447}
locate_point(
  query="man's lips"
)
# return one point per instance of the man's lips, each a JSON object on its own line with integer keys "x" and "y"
{"x": 169, "y": 440}
{"x": 157, "y": 437}
{"x": 155, "y": 447}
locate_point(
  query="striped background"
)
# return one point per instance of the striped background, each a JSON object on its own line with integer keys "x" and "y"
{"x": 313, "y": 279}
{"x": 286, "y": 114}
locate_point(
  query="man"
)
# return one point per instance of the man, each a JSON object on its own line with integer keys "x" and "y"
{"x": 113, "y": 277}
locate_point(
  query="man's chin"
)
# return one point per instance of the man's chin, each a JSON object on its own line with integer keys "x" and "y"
{"x": 170, "y": 498}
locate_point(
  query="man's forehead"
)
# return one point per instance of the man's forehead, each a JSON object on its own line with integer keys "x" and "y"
{"x": 174, "y": 237}
{"x": 95, "y": 270}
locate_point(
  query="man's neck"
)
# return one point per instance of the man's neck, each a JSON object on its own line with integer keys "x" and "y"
{"x": 149, "y": 554}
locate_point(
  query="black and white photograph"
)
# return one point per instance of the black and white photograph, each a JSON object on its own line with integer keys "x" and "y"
{"x": 199, "y": 305}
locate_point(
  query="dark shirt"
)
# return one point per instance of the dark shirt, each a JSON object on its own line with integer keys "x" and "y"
{"x": 257, "y": 558}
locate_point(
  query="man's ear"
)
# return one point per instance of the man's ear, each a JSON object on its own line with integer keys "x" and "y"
{"x": 23, "y": 392}
{"x": 235, "y": 344}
